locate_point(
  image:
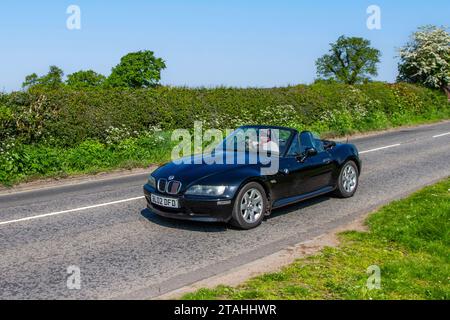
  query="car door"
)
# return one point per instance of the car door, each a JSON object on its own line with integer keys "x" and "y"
{"x": 317, "y": 169}
{"x": 296, "y": 177}
{"x": 317, "y": 172}
{"x": 289, "y": 181}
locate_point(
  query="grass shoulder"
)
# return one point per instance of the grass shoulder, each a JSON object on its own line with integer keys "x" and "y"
{"x": 407, "y": 239}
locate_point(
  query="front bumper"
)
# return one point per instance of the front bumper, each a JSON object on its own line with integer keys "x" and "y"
{"x": 192, "y": 208}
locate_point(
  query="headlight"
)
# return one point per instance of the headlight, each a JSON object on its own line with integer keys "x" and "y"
{"x": 152, "y": 181}
{"x": 200, "y": 190}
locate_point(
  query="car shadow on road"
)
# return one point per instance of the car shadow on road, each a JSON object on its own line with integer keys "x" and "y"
{"x": 184, "y": 224}
{"x": 298, "y": 206}
{"x": 221, "y": 227}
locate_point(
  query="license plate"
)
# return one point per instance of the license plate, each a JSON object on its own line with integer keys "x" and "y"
{"x": 164, "y": 202}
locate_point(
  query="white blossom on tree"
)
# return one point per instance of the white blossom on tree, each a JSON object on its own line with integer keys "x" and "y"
{"x": 426, "y": 58}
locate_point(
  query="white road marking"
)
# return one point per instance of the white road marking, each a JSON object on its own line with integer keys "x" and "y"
{"x": 70, "y": 210}
{"x": 380, "y": 148}
{"x": 441, "y": 135}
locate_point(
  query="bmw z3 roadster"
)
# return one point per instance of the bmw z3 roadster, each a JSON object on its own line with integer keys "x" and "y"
{"x": 233, "y": 182}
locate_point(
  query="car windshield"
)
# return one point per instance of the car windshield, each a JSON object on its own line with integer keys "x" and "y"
{"x": 252, "y": 139}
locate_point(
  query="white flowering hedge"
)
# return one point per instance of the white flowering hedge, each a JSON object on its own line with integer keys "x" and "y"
{"x": 426, "y": 58}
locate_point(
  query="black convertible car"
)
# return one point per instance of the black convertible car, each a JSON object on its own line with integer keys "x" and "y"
{"x": 241, "y": 192}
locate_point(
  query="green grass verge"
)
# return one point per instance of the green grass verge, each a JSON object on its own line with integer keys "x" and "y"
{"x": 408, "y": 239}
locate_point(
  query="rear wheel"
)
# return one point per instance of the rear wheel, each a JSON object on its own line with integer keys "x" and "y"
{"x": 348, "y": 180}
{"x": 250, "y": 206}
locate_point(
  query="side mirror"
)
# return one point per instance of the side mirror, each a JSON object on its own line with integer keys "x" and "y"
{"x": 309, "y": 152}
{"x": 284, "y": 171}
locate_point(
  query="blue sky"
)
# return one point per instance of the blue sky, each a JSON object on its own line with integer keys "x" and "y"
{"x": 205, "y": 43}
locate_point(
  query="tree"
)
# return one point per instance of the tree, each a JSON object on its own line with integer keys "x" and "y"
{"x": 350, "y": 60}
{"x": 52, "y": 79}
{"x": 137, "y": 70}
{"x": 85, "y": 79}
{"x": 30, "y": 80}
{"x": 426, "y": 58}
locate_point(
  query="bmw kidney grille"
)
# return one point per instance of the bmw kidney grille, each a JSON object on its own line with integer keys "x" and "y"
{"x": 170, "y": 187}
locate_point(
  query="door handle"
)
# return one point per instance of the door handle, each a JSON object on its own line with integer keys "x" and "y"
{"x": 326, "y": 161}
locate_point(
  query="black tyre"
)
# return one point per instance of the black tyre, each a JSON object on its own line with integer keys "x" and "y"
{"x": 250, "y": 207}
{"x": 348, "y": 180}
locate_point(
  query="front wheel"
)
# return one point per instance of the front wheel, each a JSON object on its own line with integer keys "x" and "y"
{"x": 250, "y": 206}
{"x": 348, "y": 180}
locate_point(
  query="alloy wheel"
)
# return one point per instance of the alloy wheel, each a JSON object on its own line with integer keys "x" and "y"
{"x": 252, "y": 205}
{"x": 349, "y": 178}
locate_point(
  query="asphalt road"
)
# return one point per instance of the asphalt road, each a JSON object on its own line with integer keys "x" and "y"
{"x": 124, "y": 251}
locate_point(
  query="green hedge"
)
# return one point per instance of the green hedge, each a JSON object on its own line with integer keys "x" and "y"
{"x": 62, "y": 132}
{"x": 21, "y": 162}
{"x": 67, "y": 117}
